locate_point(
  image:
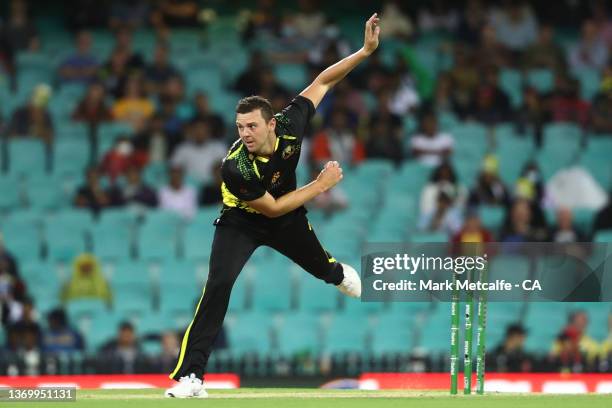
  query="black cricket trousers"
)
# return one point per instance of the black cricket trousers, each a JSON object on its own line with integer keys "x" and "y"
{"x": 232, "y": 246}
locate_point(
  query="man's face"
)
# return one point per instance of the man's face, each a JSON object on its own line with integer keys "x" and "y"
{"x": 253, "y": 129}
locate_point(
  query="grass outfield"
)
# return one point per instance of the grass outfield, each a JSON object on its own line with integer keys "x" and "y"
{"x": 316, "y": 398}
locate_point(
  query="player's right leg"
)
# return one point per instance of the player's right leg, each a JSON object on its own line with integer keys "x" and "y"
{"x": 231, "y": 249}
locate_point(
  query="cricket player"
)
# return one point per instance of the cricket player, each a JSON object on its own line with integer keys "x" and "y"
{"x": 263, "y": 206}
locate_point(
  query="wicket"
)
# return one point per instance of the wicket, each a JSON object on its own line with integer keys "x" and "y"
{"x": 481, "y": 310}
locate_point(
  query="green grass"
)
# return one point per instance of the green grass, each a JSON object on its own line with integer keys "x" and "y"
{"x": 305, "y": 398}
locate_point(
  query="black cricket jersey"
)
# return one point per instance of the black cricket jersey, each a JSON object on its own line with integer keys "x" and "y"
{"x": 247, "y": 176}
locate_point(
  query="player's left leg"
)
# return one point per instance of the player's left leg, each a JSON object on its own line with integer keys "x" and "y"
{"x": 299, "y": 243}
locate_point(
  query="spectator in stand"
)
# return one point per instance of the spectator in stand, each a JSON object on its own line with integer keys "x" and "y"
{"x": 444, "y": 218}
{"x": 173, "y": 95}
{"x": 490, "y": 51}
{"x": 123, "y": 44}
{"x": 19, "y": 32}
{"x": 12, "y": 293}
{"x": 430, "y": 146}
{"x": 120, "y": 158}
{"x": 177, "y": 196}
{"x": 28, "y": 322}
{"x": 491, "y": 105}
{"x": 443, "y": 180}
{"x": 60, "y": 337}
{"x": 373, "y": 75}
{"x": 263, "y": 22}
{"x": 337, "y": 142}
{"x": 135, "y": 104}
{"x": 510, "y": 356}
{"x": 564, "y": 231}
{"x": 532, "y": 115}
{"x": 383, "y": 141}
{"x": 472, "y": 231}
{"x": 114, "y": 73}
{"x": 121, "y": 355}
{"x": 24, "y": 341}
{"x": 544, "y": 53}
{"x": 601, "y": 112}
{"x": 564, "y": 101}
{"x": 606, "y": 346}
{"x": 404, "y": 96}
{"x": 603, "y": 219}
{"x": 175, "y": 13}
{"x": 199, "y": 152}
{"x": 473, "y": 19}
{"x": 573, "y": 344}
{"x": 160, "y": 70}
{"x": 591, "y": 52}
{"x": 34, "y": 118}
{"x": 518, "y": 226}
{"x": 134, "y": 191}
{"x": 131, "y": 15}
{"x": 489, "y": 188}
{"x": 515, "y": 24}
{"x": 246, "y": 82}
{"x": 87, "y": 281}
{"x": 397, "y": 24}
{"x": 465, "y": 79}
{"x": 438, "y": 15}
{"x": 170, "y": 348}
{"x": 91, "y": 195}
{"x": 9, "y": 259}
{"x": 210, "y": 194}
{"x": 152, "y": 141}
{"x": 203, "y": 112}
{"x": 93, "y": 109}
{"x": 82, "y": 66}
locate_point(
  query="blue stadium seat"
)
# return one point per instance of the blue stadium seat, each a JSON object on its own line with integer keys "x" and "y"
{"x": 344, "y": 335}
{"x": 157, "y": 236}
{"x": 45, "y": 194}
{"x": 249, "y": 332}
{"x": 179, "y": 297}
{"x": 27, "y": 157}
{"x": 70, "y": 156}
{"x": 393, "y": 333}
{"x": 10, "y": 197}
{"x": 492, "y": 217}
{"x": 65, "y": 234}
{"x": 315, "y": 295}
{"x": 291, "y": 76}
{"x": 22, "y": 237}
{"x": 112, "y": 241}
{"x": 299, "y": 333}
{"x": 272, "y": 284}
{"x": 541, "y": 79}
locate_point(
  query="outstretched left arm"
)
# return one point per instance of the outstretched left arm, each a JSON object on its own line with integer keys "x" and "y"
{"x": 333, "y": 74}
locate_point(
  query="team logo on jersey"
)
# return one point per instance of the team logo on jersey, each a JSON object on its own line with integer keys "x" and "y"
{"x": 288, "y": 152}
{"x": 275, "y": 177}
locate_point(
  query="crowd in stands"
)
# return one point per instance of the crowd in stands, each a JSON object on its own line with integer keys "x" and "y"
{"x": 393, "y": 107}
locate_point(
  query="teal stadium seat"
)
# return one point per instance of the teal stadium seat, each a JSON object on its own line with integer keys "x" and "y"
{"x": 300, "y": 333}
{"x": 157, "y": 236}
{"x": 510, "y": 81}
{"x": 315, "y": 295}
{"x": 603, "y": 236}
{"x": 10, "y": 197}
{"x": 492, "y": 217}
{"x": 344, "y": 335}
{"x": 249, "y": 333}
{"x": 272, "y": 284}
{"x": 21, "y": 235}
{"x": 541, "y": 79}
{"x": 65, "y": 234}
{"x": 393, "y": 333}
{"x": 27, "y": 157}
{"x": 45, "y": 194}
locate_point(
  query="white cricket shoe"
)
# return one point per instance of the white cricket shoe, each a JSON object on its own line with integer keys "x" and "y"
{"x": 187, "y": 387}
{"x": 351, "y": 284}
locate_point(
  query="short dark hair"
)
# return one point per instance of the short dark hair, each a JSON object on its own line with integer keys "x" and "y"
{"x": 251, "y": 103}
